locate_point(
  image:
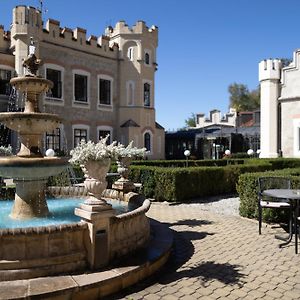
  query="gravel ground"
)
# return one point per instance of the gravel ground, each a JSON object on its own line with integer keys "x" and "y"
{"x": 224, "y": 205}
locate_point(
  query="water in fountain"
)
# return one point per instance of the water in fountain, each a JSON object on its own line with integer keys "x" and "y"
{"x": 61, "y": 212}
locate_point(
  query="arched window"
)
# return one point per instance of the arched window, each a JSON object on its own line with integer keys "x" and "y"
{"x": 147, "y": 94}
{"x": 147, "y": 141}
{"x": 130, "y": 53}
{"x": 147, "y": 58}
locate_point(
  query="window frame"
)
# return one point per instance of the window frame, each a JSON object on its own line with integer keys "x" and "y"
{"x": 53, "y": 135}
{"x": 102, "y": 106}
{"x": 11, "y": 70}
{"x": 128, "y": 84}
{"x": 148, "y": 52}
{"x": 130, "y": 53}
{"x": 54, "y": 100}
{"x": 105, "y": 128}
{"x": 79, "y": 103}
{"x": 80, "y": 127}
{"x": 150, "y": 152}
{"x": 150, "y": 91}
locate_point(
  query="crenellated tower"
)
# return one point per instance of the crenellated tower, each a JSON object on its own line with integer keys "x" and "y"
{"x": 137, "y": 56}
{"x": 27, "y": 23}
{"x": 269, "y": 78}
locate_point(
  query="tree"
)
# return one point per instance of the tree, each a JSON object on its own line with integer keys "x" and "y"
{"x": 242, "y": 99}
{"x": 191, "y": 121}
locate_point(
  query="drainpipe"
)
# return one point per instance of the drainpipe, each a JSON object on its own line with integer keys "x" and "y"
{"x": 279, "y": 130}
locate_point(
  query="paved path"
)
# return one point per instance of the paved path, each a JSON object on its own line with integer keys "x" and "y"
{"x": 219, "y": 256}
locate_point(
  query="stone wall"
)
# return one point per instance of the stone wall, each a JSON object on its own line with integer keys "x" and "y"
{"x": 129, "y": 231}
{"x": 41, "y": 251}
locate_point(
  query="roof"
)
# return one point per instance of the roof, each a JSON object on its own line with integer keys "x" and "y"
{"x": 158, "y": 126}
{"x": 130, "y": 123}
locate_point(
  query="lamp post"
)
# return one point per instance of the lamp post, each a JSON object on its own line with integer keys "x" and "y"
{"x": 250, "y": 152}
{"x": 187, "y": 153}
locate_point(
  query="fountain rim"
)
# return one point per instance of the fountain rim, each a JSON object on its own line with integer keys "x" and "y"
{"x": 31, "y": 79}
{"x": 32, "y": 115}
{"x": 15, "y": 161}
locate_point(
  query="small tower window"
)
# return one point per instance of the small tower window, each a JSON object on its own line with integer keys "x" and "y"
{"x": 147, "y": 94}
{"x": 147, "y": 141}
{"x": 130, "y": 53}
{"x": 147, "y": 58}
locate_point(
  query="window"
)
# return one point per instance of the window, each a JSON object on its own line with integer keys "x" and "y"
{"x": 103, "y": 134}
{"x": 130, "y": 53}
{"x": 147, "y": 141}
{"x": 80, "y": 88}
{"x": 55, "y": 76}
{"x": 147, "y": 94}
{"x": 79, "y": 135}
{"x": 147, "y": 58}
{"x": 104, "y": 91}
{"x": 130, "y": 93}
{"x": 53, "y": 140}
{"x": 5, "y": 76}
{"x": 103, "y": 131}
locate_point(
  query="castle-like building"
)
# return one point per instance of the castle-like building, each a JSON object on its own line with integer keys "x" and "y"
{"x": 280, "y": 107}
{"x": 102, "y": 85}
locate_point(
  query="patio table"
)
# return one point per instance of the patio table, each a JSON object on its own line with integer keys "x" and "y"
{"x": 293, "y": 196}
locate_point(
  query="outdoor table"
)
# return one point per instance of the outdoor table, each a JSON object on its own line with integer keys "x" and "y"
{"x": 293, "y": 196}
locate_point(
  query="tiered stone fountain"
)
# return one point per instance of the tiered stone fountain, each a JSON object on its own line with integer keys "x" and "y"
{"x": 29, "y": 169}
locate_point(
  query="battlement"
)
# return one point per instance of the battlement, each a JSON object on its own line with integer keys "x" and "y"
{"x": 269, "y": 69}
{"x": 139, "y": 28}
{"x": 4, "y": 39}
{"x": 27, "y": 22}
{"x": 215, "y": 118}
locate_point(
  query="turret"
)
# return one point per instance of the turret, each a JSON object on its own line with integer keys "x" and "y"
{"x": 27, "y": 23}
{"x": 269, "y": 77}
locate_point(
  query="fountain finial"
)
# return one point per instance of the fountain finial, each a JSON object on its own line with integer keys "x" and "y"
{"x": 32, "y": 63}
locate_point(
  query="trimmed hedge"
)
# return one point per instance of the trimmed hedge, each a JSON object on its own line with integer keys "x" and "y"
{"x": 181, "y": 184}
{"x": 191, "y": 163}
{"x": 247, "y": 188}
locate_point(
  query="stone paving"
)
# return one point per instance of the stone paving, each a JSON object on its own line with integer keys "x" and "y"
{"x": 219, "y": 257}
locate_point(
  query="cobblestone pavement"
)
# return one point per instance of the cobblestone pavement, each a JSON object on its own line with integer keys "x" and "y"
{"x": 219, "y": 257}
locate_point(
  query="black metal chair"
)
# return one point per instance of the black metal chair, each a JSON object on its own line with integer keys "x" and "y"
{"x": 267, "y": 183}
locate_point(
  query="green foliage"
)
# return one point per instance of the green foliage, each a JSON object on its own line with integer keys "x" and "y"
{"x": 191, "y": 121}
{"x": 242, "y": 99}
{"x": 247, "y": 188}
{"x": 182, "y": 184}
{"x": 191, "y": 163}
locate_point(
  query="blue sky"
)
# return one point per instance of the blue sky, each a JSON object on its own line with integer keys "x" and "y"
{"x": 204, "y": 45}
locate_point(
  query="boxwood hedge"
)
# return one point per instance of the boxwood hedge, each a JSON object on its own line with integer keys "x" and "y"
{"x": 180, "y": 184}
{"x": 247, "y": 188}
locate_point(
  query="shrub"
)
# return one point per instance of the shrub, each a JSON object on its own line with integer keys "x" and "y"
{"x": 247, "y": 188}
{"x": 181, "y": 184}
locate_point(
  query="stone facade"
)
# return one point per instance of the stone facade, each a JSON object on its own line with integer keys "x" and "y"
{"x": 280, "y": 108}
{"x": 102, "y": 84}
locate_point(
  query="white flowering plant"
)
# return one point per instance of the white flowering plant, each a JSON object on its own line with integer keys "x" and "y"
{"x": 85, "y": 151}
{"x": 120, "y": 151}
{"x": 5, "y": 151}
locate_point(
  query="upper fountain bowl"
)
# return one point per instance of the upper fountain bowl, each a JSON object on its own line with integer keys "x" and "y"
{"x": 31, "y": 84}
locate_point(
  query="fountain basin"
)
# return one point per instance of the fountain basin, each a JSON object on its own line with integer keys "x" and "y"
{"x": 30, "y": 123}
{"x": 45, "y": 251}
{"x": 32, "y": 168}
{"x": 34, "y": 85}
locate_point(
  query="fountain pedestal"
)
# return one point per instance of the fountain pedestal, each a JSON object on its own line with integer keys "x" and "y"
{"x": 26, "y": 205}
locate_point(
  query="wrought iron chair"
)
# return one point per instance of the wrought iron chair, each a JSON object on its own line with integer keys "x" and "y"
{"x": 266, "y": 183}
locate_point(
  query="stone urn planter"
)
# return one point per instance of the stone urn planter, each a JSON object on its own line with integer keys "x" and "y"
{"x": 123, "y": 167}
{"x": 95, "y": 179}
{"x": 123, "y": 184}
